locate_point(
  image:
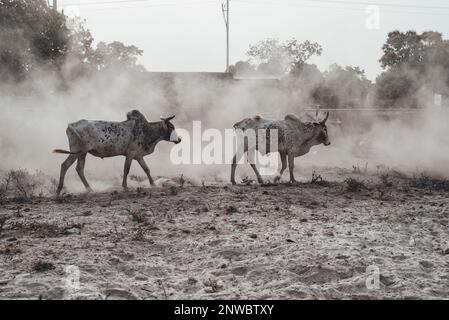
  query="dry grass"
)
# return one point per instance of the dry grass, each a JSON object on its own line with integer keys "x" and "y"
{"x": 425, "y": 181}
{"x": 3, "y": 220}
{"x": 355, "y": 185}
{"x": 42, "y": 266}
{"x": 318, "y": 179}
{"x": 137, "y": 215}
{"x": 21, "y": 185}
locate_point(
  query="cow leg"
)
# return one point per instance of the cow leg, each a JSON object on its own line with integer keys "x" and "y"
{"x": 291, "y": 165}
{"x": 80, "y": 169}
{"x": 284, "y": 166}
{"x": 126, "y": 171}
{"x": 259, "y": 178}
{"x": 234, "y": 165}
{"x": 283, "y": 162}
{"x": 64, "y": 167}
{"x": 146, "y": 169}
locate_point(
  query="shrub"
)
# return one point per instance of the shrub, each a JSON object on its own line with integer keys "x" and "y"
{"x": 354, "y": 185}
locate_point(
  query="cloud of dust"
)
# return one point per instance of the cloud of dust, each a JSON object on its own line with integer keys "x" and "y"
{"x": 32, "y": 124}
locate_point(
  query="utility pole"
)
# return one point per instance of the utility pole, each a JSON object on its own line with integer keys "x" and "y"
{"x": 55, "y": 5}
{"x": 225, "y": 10}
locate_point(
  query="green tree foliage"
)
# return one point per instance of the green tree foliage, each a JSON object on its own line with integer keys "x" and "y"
{"x": 116, "y": 55}
{"x": 336, "y": 87}
{"x": 243, "y": 68}
{"x": 300, "y": 52}
{"x": 272, "y": 57}
{"x": 34, "y": 36}
{"x": 30, "y": 34}
{"x": 412, "y": 61}
{"x": 396, "y": 88}
{"x": 343, "y": 87}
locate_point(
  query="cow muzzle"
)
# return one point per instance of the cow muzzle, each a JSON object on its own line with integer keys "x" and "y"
{"x": 175, "y": 138}
{"x": 327, "y": 143}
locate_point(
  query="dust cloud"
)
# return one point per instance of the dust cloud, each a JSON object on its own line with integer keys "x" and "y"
{"x": 35, "y": 114}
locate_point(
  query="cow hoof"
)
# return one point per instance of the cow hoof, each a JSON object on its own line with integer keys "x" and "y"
{"x": 277, "y": 179}
{"x": 260, "y": 181}
{"x": 233, "y": 183}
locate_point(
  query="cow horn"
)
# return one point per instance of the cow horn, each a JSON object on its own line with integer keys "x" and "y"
{"x": 167, "y": 119}
{"x": 326, "y": 115}
{"x": 317, "y": 112}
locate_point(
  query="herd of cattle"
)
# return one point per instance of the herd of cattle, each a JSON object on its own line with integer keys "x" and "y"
{"x": 136, "y": 137}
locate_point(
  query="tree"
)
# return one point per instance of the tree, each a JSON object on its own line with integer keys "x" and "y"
{"x": 276, "y": 58}
{"x": 346, "y": 87}
{"x": 402, "y": 48}
{"x": 301, "y": 52}
{"x": 412, "y": 61}
{"x": 34, "y": 36}
{"x": 116, "y": 55}
{"x": 242, "y": 68}
{"x": 396, "y": 88}
{"x": 86, "y": 59}
{"x": 31, "y": 34}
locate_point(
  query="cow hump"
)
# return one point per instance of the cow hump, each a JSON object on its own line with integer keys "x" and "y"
{"x": 292, "y": 117}
{"x": 135, "y": 115}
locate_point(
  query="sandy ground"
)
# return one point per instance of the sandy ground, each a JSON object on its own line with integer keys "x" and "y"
{"x": 303, "y": 241}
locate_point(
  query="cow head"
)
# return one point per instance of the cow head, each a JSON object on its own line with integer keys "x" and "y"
{"x": 320, "y": 131}
{"x": 248, "y": 123}
{"x": 168, "y": 130}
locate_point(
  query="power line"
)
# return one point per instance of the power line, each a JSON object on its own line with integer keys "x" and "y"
{"x": 342, "y": 2}
{"x": 94, "y": 3}
{"x": 103, "y": 2}
{"x": 338, "y": 8}
{"x": 360, "y": 3}
{"x": 303, "y": 5}
{"x": 155, "y": 5}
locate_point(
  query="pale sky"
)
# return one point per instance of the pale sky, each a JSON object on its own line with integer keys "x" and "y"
{"x": 189, "y": 35}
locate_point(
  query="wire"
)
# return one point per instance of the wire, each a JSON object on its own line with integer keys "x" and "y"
{"x": 339, "y": 8}
{"x": 382, "y": 4}
{"x": 342, "y": 2}
{"x": 148, "y": 5}
{"x": 93, "y": 3}
{"x": 348, "y": 2}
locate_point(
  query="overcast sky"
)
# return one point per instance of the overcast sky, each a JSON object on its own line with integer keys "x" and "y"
{"x": 189, "y": 35}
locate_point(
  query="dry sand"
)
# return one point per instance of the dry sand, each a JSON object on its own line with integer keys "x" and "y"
{"x": 304, "y": 241}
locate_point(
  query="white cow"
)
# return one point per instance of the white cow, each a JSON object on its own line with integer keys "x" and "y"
{"x": 295, "y": 138}
{"x": 133, "y": 138}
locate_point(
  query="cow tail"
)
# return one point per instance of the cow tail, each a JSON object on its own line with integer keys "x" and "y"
{"x": 62, "y": 151}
